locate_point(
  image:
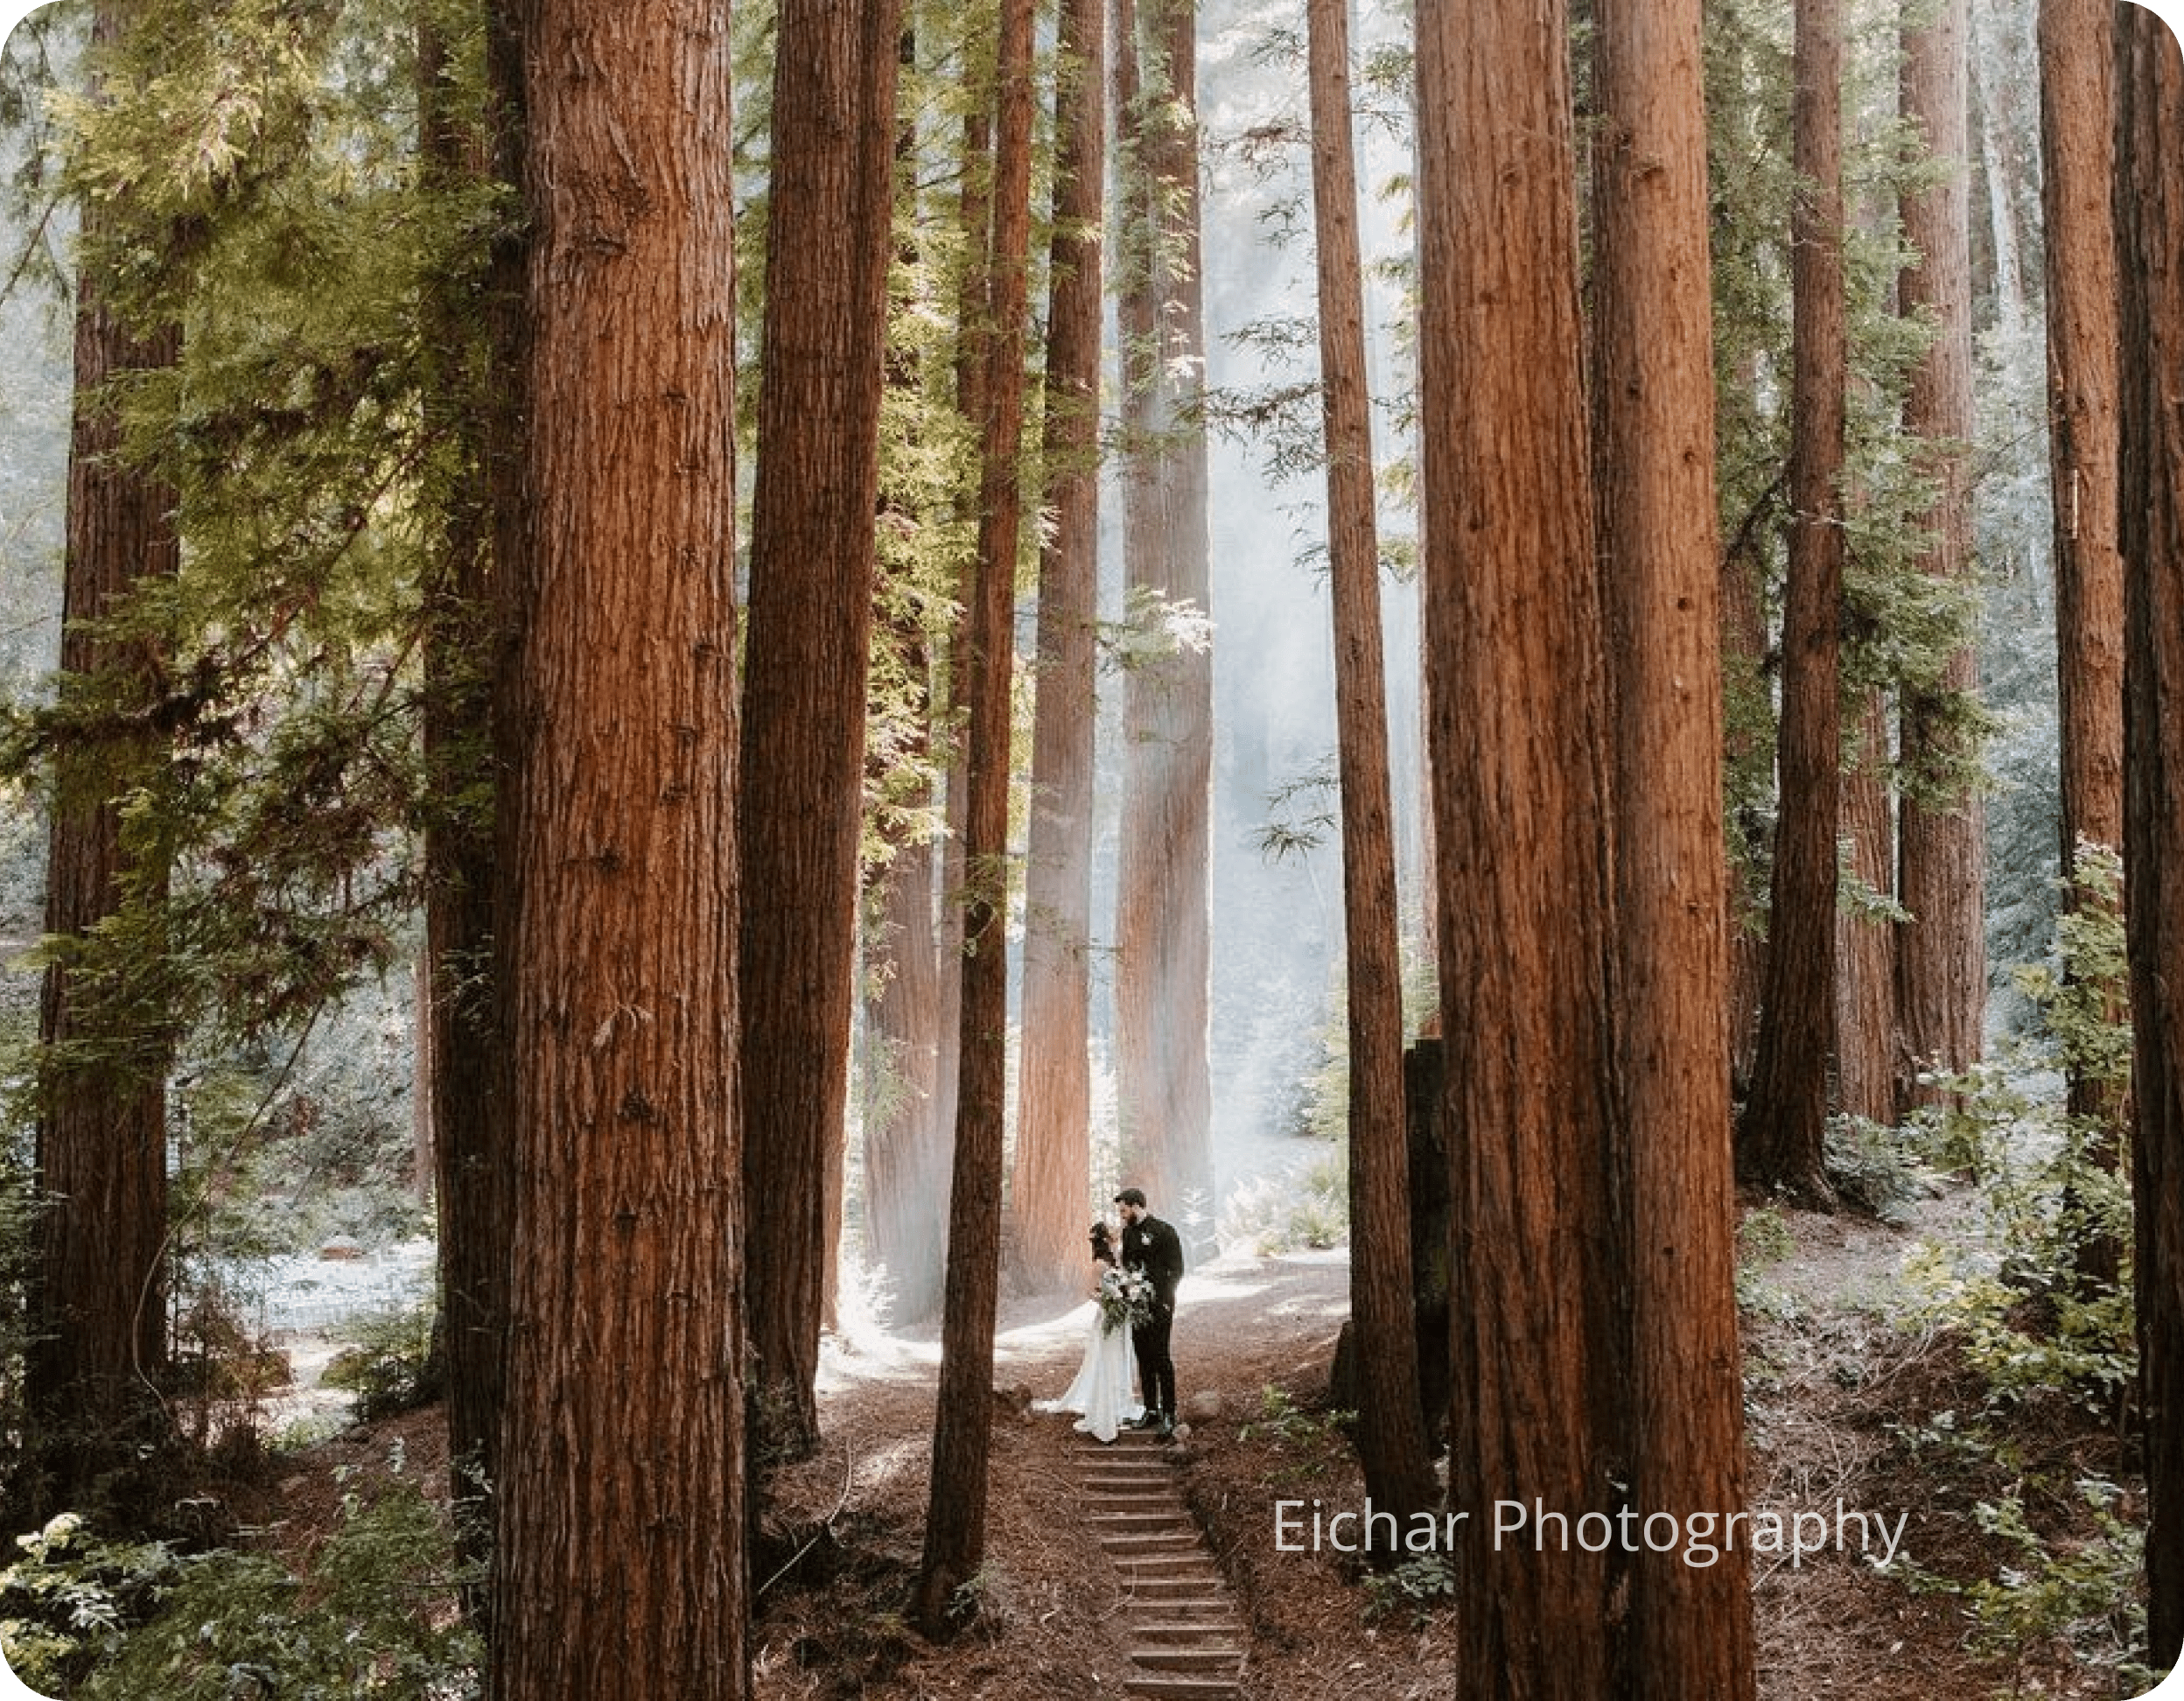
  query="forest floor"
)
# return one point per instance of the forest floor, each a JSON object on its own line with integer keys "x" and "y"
{"x": 1849, "y": 1404}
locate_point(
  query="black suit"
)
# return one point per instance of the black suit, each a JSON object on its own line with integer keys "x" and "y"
{"x": 1150, "y": 1245}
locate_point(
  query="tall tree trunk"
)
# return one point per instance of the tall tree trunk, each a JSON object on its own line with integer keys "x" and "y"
{"x": 1782, "y": 1136}
{"x": 799, "y": 814}
{"x": 2078, "y": 145}
{"x": 973, "y": 336}
{"x": 1865, "y": 940}
{"x": 620, "y": 1560}
{"x": 467, "y": 1082}
{"x": 1163, "y": 947}
{"x": 1941, "y": 960}
{"x": 98, "y": 1351}
{"x": 1520, "y": 738}
{"x": 1052, "y": 1183}
{"x": 2150, "y": 257}
{"x": 962, "y": 1427}
{"x": 1654, "y": 458}
{"x": 1391, "y": 1442}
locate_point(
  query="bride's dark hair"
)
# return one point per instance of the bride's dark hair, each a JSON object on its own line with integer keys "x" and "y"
{"x": 1103, "y": 1247}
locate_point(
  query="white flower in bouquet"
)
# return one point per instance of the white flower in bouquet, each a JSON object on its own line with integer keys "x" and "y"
{"x": 1125, "y": 1296}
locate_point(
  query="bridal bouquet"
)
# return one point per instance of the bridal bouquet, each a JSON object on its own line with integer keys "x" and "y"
{"x": 1125, "y": 1296}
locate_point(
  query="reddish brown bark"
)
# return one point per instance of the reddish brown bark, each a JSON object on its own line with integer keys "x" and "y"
{"x": 1781, "y": 1137}
{"x": 1866, "y": 1070}
{"x": 799, "y": 812}
{"x": 619, "y": 1559}
{"x": 1654, "y": 480}
{"x": 962, "y": 1427}
{"x": 1519, "y": 741}
{"x": 2078, "y": 148}
{"x": 98, "y": 1351}
{"x": 1391, "y": 1441}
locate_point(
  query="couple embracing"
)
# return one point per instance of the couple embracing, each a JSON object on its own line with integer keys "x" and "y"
{"x": 1135, "y": 1316}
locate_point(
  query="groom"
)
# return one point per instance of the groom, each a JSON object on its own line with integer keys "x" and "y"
{"x": 1150, "y": 1245}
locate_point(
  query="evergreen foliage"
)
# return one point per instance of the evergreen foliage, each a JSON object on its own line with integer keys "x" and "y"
{"x": 2034, "y": 1322}
{"x": 371, "y": 1614}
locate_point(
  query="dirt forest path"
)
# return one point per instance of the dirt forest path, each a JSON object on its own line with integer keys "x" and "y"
{"x": 1058, "y": 1610}
{"x": 1064, "y": 1606}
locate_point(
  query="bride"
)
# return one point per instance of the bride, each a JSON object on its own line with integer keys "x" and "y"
{"x": 1101, "y": 1390}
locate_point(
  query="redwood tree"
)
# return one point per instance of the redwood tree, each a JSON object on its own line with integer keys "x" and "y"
{"x": 1866, "y": 1064}
{"x": 963, "y": 1426}
{"x": 1391, "y": 1442}
{"x": 2078, "y": 147}
{"x": 1051, "y": 1182}
{"x": 1941, "y": 955}
{"x": 1653, "y": 338}
{"x": 2150, "y": 257}
{"x": 1782, "y": 1136}
{"x": 1520, "y": 738}
{"x": 618, "y": 1563}
{"x": 799, "y": 811}
{"x": 98, "y": 1350}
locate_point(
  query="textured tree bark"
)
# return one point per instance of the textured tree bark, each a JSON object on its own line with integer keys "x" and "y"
{"x": 1051, "y": 1187}
{"x": 98, "y": 1352}
{"x": 619, "y": 1558}
{"x": 973, "y": 337}
{"x": 1782, "y": 1136}
{"x": 1941, "y": 954}
{"x": 2150, "y": 255}
{"x": 1391, "y": 1442}
{"x": 1654, "y": 458}
{"x": 963, "y": 1425}
{"x": 2078, "y": 147}
{"x": 1521, "y": 741}
{"x": 1866, "y": 1070}
{"x": 800, "y": 810}
{"x": 1163, "y": 950}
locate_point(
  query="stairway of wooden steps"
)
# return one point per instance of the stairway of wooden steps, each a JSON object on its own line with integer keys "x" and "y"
{"x": 1184, "y": 1639}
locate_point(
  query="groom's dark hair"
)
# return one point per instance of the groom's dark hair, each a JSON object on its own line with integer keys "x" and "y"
{"x": 1130, "y": 1196}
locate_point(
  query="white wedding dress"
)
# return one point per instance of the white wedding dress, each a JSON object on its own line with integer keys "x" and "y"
{"x": 1101, "y": 1393}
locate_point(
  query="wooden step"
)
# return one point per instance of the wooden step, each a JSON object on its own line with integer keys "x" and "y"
{"x": 1160, "y": 1686}
{"x": 1174, "y": 1609}
{"x": 1201, "y": 1633}
{"x": 1203, "y": 1660}
{"x": 1140, "y": 1545}
{"x": 1169, "y": 1562}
